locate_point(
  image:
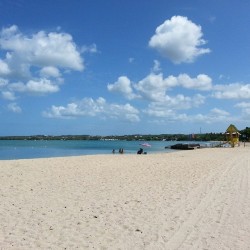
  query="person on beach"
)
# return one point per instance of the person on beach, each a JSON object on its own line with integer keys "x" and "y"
{"x": 140, "y": 151}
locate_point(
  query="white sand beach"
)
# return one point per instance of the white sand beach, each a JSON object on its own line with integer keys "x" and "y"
{"x": 197, "y": 199}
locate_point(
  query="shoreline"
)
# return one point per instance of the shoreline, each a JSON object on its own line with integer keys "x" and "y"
{"x": 195, "y": 199}
{"x": 50, "y": 149}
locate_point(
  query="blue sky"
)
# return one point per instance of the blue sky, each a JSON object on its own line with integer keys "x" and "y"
{"x": 123, "y": 67}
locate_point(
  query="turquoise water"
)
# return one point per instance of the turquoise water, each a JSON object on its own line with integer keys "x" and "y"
{"x": 17, "y": 149}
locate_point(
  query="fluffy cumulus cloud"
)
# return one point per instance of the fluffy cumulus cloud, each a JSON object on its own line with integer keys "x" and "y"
{"x": 91, "y": 107}
{"x": 123, "y": 86}
{"x": 201, "y": 82}
{"x": 154, "y": 86}
{"x": 178, "y": 102}
{"x": 155, "y": 90}
{"x": 38, "y": 87}
{"x": 40, "y": 49}
{"x": 179, "y": 40}
{"x": 35, "y": 63}
{"x": 4, "y": 68}
{"x": 50, "y": 71}
{"x": 232, "y": 91}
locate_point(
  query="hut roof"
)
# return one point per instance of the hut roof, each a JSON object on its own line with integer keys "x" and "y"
{"x": 232, "y": 129}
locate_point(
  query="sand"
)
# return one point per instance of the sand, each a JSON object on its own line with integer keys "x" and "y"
{"x": 197, "y": 199}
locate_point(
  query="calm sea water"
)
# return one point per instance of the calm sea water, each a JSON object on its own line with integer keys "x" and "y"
{"x": 15, "y": 149}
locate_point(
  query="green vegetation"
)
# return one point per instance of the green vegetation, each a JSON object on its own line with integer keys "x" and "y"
{"x": 245, "y": 136}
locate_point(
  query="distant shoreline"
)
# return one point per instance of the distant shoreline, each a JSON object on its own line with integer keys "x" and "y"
{"x": 33, "y": 149}
{"x": 130, "y": 137}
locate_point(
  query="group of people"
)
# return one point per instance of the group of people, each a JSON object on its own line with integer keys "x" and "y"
{"x": 121, "y": 151}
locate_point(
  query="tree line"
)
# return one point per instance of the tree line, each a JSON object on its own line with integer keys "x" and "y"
{"x": 244, "y": 136}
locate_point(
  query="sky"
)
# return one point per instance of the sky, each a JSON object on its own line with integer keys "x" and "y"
{"x": 117, "y": 67}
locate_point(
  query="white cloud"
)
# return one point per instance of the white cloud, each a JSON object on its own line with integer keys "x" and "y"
{"x": 38, "y": 87}
{"x": 8, "y": 95}
{"x": 91, "y": 48}
{"x": 160, "y": 111}
{"x": 126, "y": 112}
{"x": 179, "y": 102}
{"x": 154, "y": 86}
{"x": 169, "y": 115}
{"x": 4, "y": 68}
{"x": 50, "y": 71}
{"x": 201, "y": 82}
{"x": 90, "y": 107}
{"x": 157, "y": 66}
{"x": 179, "y": 40}
{"x": 40, "y": 49}
{"x": 243, "y": 105}
{"x": 232, "y": 91}
{"x": 218, "y": 112}
{"x": 85, "y": 107}
{"x": 215, "y": 115}
{"x": 13, "y": 107}
{"x": 8, "y": 32}
{"x": 31, "y": 60}
{"x": 245, "y": 108}
{"x": 122, "y": 86}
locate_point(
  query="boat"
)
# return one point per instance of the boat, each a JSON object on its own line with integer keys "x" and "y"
{"x": 145, "y": 144}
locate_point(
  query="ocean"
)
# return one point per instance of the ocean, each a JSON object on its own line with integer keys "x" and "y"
{"x": 25, "y": 149}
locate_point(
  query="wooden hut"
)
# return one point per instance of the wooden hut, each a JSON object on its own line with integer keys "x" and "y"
{"x": 232, "y": 135}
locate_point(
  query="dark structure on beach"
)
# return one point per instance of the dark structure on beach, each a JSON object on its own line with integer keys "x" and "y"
{"x": 182, "y": 146}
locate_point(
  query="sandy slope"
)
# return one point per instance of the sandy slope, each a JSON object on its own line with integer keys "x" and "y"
{"x": 196, "y": 199}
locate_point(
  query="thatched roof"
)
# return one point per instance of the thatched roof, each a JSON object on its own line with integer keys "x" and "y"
{"x": 232, "y": 129}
